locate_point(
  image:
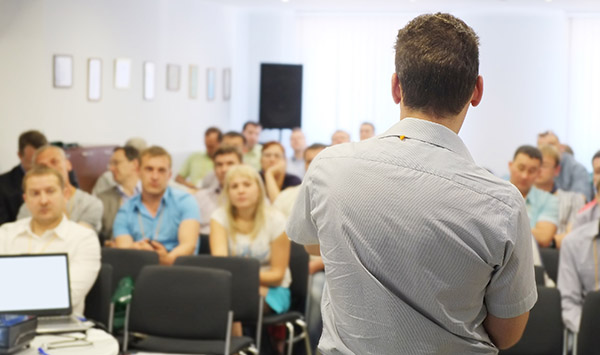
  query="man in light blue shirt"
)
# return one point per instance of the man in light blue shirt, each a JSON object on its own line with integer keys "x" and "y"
{"x": 542, "y": 207}
{"x": 160, "y": 219}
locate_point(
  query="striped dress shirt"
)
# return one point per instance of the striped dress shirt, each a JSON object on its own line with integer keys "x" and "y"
{"x": 419, "y": 244}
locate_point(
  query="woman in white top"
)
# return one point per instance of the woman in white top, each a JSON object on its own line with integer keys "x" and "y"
{"x": 247, "y": 226}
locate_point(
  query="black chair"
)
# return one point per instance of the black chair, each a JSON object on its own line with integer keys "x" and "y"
{"x": 246, "y": 301}
{"x": 299, "y": 290}
{"x": 550, "y": 260}
{"x": 97, "y": 301}
{"x": 588, "y": 342}
{"x": 544, "y": 333}
{"x": 182, "y": 309}
{"x": 539, "y": 275}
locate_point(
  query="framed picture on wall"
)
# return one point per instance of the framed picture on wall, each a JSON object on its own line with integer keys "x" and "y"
{"x": 211, "y": 74}
{"x": 193, "y": 81}
{"x": 226, "y": 84}
{"x": 173, "y": 75}
{"x": 62, "y": 71}
{"x": 122, "y": 73}
{"x": 149, "y": 80}
{"x": 94, "y": 92}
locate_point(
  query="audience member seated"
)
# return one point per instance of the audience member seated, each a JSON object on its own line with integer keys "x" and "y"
{"x": 106, "y": 180}
{"x": 161, "y": 218}
{"x": 273, "y": 170}
{"x": 11, "y": 194}
{"x": 568, "y": 202}
{"x": 367, "y": 130}
{"x": 340, "y": 137}
{"x": 124, "y": 166}
{"x": 247, "y": 226}
{"x": 591, "y": 211}
{"x": 578, "y": 271}
{"x": 295, "y": 163}
{"x": 81, "y": 207}
{"x": 542, "y": 207}
{"x": 199, "y": 164}
{"x": 573, "y": 176}
{"x": 231, "y": 139}
{"x": 208, "y": 199}
{"x": 252, "y": 149}
{"x": 49, "y": 231}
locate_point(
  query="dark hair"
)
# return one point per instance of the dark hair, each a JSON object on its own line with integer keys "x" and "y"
{"x": 437, "y": 64}
{"x": 234, "y": 134}
{"x": 596, "y": 156}
{"x": 228, "y": 149}
{"x": 212, "y": 130}
{"x": 315, "y": 146}
{"x": 268, "y": 144}
{"x": 33, "y": 138}
{"x": 131, "y": 153}
{"x": 251, "y": 123}
{"x": 41, "y": 170}
{"x": 530, "y": 151}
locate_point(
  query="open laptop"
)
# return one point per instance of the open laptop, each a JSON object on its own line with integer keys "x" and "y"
{"x": 38, "y": 284}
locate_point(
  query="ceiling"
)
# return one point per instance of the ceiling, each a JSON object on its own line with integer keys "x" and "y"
{"x": 384, "y": 6}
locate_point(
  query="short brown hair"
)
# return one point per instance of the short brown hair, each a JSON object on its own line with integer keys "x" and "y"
{"x": 214, "y": 130}
{"x": 552, "y": 152}
{"x": 33, "y": 138}
{"x": 530, "y": 151}
{"x": 40, "y": 170}
{"x": 156, "y": 151}
{"x": 228, "y": 149}
{"x": 437, "y": 64}
{"x": 268, "y": 144}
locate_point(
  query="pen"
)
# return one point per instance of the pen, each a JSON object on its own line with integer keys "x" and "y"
{"x": 42, "y": 352}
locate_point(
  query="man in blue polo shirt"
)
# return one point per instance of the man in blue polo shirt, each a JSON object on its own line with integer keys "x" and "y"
{"x": 160, "y": 219}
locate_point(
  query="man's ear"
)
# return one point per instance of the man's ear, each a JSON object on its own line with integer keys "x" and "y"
{"x": 396, "y": 89}
{"x": 477, "y": 92}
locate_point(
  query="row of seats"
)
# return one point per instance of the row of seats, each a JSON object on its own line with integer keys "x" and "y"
{"x": 178, "y": 308}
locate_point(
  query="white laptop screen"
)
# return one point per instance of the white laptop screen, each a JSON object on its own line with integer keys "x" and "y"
{"x": 35, "y": 284}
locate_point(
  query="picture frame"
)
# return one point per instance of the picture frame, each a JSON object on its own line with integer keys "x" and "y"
{"x": 211, "y": 74}
{"x": 122, "y": 73}
{"x": 226, "y": 84}
{"x": 94, "y": 91}
{"x": 149, "y": 80}
{"x": 193, "y": 82}
{"x": 173, "y": 77}
{"x": 62, "y": 71}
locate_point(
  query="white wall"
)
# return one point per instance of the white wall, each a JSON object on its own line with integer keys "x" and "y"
{"x": 180, "y": 32}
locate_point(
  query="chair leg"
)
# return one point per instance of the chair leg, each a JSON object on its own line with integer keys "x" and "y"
{"x": 111, "y": 317}
{"x": 126, "y": 329}
{"x": 302, "y": 324}
{"x": 228, "y": 333}
{"x": 259, "y": 323}
{"x": 290, "y": 340}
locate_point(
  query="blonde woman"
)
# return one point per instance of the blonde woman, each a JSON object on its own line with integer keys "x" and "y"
{"x": 247, "y": 226}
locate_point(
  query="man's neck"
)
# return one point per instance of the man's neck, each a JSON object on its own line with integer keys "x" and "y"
{"x": 453, "y": 123}
{"x": 152, "y": 201}
{"x": 39, "y": 228}
{"x": 248, "y": 148}
{"x": 71, "y": 190}
{"x": 246, "y": 214}
{"x": 525, "y": 193}
{"x": 129, "y": 185}
{"x": 548, "y": 186}
{"x": 299, "y": 154}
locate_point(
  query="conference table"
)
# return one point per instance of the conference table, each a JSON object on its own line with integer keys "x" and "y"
{"x": 94, "y": 341}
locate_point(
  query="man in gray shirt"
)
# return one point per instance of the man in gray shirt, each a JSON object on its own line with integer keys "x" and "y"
{"x": 424, "y": 251}
{"x": 81, "y": 207}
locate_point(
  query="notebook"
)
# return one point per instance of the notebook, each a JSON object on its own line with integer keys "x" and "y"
{"x": 38, "y": 284}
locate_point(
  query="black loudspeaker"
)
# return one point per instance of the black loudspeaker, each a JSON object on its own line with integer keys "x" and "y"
{"x": 280, "y": 95}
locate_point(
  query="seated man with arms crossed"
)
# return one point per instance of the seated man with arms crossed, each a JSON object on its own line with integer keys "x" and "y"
{"x": 591, "y": 211}
{"x": 160, "y": 219}
{"x": 82, "y": 207}
{"x": 49, "y": 231}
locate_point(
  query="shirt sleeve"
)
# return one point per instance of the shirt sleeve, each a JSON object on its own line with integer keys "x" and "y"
{"x": 549, "y": 212}
{"x": 569, "y": 284}
{"x": 120, "y": 226}
{"x": 84, "y": 265}
{"x": 220, "y": 216}
{"x": 581, "y": 181}
{"x": 301, "y": 227}
{"x": 512, "y": 289}
{"x": 92, "y": 213}
{"x": 185, "y": 169}
{"x": 188, "y": 208}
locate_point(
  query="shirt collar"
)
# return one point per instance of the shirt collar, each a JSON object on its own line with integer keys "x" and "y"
{"x": 136, "y": 190}
{"x": 163, "y": 200}
{"x": 429, "y": 132}
{"x": 60, "y": 230}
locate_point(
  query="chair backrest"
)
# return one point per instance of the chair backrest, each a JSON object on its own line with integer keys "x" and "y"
{"x": 588, "y": 341}
{"x": 127, "y": 262}
{"x": 539, "y": 275}
{"x": 544, "y": 331}
{"x": 97, "y": 301}
{"x": 299, "y": 270}
{"x": 181, "y": 302}
{"x": 244, "y": 282}
{"x": 550, "y": 261}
